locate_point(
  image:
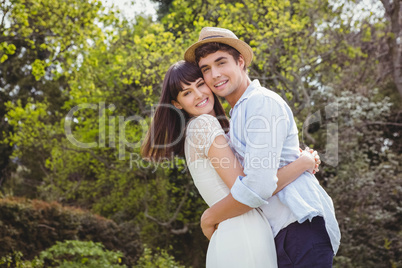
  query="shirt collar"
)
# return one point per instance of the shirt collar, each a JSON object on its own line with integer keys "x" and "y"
{"x": 254, "y": 84}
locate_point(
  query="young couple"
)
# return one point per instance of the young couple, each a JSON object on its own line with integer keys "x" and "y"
{"x": 265, "y": 209}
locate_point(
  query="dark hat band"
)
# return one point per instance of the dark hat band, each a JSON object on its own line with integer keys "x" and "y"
{"x": 213, "y": 36}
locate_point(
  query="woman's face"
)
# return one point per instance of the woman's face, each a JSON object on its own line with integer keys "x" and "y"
{"x": 196, "y": 99}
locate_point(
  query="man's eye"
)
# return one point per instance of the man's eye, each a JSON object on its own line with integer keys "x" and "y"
{"x": 222, "y": 62}
{"x": 205, "y": 69}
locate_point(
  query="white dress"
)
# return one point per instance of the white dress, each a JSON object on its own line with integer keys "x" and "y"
{"x": 245, "y": 241}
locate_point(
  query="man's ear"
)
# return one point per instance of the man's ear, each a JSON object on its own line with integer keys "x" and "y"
{"x": 241, "y": 61}
{"x": 177, "y": 105}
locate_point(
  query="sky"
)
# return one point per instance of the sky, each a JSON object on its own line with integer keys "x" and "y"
{"x": 129, "y": 10}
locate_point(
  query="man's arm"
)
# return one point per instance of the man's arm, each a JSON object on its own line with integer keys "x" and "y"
{"x": 229, "y": 207}
{"x": 263, "y": 134}
{"x": 258, "y": 148}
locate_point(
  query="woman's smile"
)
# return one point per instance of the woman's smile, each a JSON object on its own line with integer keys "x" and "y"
{"x": 202, "y": 103}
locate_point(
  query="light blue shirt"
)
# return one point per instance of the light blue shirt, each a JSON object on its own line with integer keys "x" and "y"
{"x": 264, "y": 135}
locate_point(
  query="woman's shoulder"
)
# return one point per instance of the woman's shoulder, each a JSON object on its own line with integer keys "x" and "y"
{"x": 201, "y": 132}
{"x": 204, "y": 118}
{"x": 204, "y": 125}
{"x": 203, "y": 121}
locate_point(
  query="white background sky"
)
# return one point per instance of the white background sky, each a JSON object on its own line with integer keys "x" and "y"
{"x": 129, "y": 8}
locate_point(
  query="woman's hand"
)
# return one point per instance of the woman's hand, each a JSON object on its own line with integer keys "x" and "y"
{"x": 312, "y": 157}
{"x": 208, "y": 229}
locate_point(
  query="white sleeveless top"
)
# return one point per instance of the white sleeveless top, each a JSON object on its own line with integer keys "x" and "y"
{"x": 243, "y": 241}
{"x": 200, "y": 135}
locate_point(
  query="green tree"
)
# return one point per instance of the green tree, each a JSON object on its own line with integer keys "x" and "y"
{"x": 105, "y": 80}
{"x": 40, "y": 43}
{"x": 123, "y": 72}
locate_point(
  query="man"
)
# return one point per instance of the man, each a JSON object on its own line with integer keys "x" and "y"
{"x": 264, "y": 135}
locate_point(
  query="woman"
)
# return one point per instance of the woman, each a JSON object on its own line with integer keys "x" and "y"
{"x": 190, "y": 120}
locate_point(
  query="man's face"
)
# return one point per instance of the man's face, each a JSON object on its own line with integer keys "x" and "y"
{"x": 222, "y": 74}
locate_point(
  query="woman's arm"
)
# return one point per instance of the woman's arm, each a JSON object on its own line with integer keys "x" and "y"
{"x": 308, "y": 161}
{"x": 229, "y": 168}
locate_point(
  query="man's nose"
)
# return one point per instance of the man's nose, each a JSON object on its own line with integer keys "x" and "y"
{"x": 215, "y": 72}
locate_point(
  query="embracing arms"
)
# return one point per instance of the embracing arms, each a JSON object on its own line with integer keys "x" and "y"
{"x": 229, "y": 168}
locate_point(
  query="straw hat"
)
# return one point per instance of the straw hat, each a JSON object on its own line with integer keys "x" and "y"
{"x": 219, "y": 35}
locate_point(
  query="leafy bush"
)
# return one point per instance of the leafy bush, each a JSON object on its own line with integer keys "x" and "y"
{"x": 72, "y": 253}
{"x": 159, "y": 259}
{"x": 31, "y": 226}
{"x": 15, "y": 260}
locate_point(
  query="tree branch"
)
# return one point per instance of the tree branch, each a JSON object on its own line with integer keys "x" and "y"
{"x": 383, "y": 123}
{"x": 393, "y": 10}
{"x": 46, "y": 226}
{"x": 305, "y": 129}
{"x": 184, "y": 229}
{"x": 174, "y": 216}
{"x": 5, "y": 11}
{"x": 387, "y": 5}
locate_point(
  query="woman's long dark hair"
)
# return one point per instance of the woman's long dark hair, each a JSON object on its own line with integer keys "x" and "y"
{"x": 166, "y": 134}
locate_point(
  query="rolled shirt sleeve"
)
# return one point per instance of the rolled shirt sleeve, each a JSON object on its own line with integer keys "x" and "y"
{"x": 260, "y": 134}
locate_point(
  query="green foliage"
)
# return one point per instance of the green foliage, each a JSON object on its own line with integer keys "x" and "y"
{"x": 35, "y": 136}
{"x": 366, "y": 188}
{"x": 59, "y": 55}
{"x": 6, "y": 49}
{"x": 160, "y": 259}
{"x": 31, "y": 226}
{"x": 15, "y": 260}
{"x": 123, "y": 68}
{"x": 293, "y": 42}
{"x": 71, "y": 253}
{"x": 39, "y": 44}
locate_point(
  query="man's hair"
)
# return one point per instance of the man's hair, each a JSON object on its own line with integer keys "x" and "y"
{"x": 209, "y": 48}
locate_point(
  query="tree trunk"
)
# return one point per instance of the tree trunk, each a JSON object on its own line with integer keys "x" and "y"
{"x": 393, "y": 11}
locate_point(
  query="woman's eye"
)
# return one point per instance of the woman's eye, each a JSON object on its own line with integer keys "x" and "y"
{"x": 201, "y": 84}
{"x": 186, "y": 93}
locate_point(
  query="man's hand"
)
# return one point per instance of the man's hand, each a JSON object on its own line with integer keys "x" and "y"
{"x": 313, "y": 157}
{"x": 207, "y": 228}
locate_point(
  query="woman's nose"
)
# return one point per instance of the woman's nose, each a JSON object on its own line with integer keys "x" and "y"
{"x": 198, "y": 93}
